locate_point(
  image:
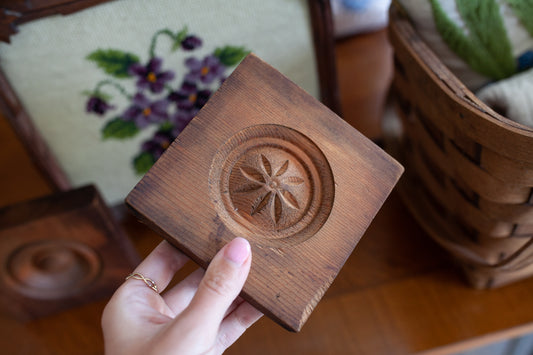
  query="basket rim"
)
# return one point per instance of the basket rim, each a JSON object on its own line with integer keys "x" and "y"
{"x": 519, "y": 138}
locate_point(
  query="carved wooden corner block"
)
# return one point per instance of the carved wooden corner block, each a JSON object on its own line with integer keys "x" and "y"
{"x": 266, "y": 161}
{"x": 59, "y": 252}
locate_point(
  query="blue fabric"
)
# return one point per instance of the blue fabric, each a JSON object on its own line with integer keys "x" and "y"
{"x": 356, "y": 5}
{"x": 525, "y": 61}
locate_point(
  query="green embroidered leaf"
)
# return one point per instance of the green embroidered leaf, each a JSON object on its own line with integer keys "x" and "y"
{"x": 182, "y": 34}
{"x": 523, "y": 9}
{"x": 472, "y": 49}
{"x": 143, "y": 162}
{"x": 113, "y": 62}
{"x": 230, "y": 56}
{"x": 119, "y": 129}
{"x": 166, "y": 126}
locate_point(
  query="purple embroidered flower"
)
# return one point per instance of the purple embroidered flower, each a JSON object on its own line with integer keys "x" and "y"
{"x": 180, "y": 120}
{"x": 151, "y": 76}
{"x": 206, "y": 70}
{"x": 143, "y": 112}
{"x": 188, "y": 97}
{"x": 98, "y": 106}
{"x": 191, "y": 42}
{"x": 158, "y": 144}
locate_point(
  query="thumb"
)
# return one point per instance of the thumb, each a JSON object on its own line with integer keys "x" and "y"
{"x": 222, "y": 283}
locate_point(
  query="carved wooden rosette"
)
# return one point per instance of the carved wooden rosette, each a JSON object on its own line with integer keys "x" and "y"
{"x": 51, "y": 269}
{"x": 60, "y": 251}
{"x": 266, "y": 161}
{"x": 271, "y": 184}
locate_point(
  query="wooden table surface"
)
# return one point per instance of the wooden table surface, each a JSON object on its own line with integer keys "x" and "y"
{"x": 397, "y": 293}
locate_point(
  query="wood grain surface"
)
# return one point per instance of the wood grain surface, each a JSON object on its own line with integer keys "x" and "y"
{"x": 396, "y": 294}
{"x": 266, "y": 161}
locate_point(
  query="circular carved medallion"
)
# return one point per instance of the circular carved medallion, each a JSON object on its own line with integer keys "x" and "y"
{"x": 52, "y": 269}
{"x": 271, "y": 184}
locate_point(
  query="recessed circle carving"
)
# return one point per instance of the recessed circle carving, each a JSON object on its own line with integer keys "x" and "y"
{"x": 271, "y": 184}
{"x": 52, "y": 269}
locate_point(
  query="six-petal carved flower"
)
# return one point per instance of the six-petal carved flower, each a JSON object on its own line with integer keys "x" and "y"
{"x": 273, "y": 187}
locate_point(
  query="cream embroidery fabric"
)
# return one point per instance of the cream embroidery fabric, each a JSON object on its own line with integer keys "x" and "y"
{"x": 46, "y": 65}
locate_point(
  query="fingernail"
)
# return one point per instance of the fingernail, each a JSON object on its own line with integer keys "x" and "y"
{"x": 237, "y": 251}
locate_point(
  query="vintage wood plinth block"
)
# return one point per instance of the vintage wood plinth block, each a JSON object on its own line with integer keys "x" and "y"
{"x": 60, "y": 251}
{"x": 266, "y": 161}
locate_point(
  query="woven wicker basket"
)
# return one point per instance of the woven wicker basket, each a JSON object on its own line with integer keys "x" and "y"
{"x": 469, "y": 170}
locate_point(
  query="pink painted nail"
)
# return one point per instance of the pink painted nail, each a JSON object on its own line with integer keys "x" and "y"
{"x": 237, "y": 251}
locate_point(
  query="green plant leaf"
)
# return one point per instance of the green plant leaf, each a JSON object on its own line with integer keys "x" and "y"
{"x": 230, "y": 55}
{"x": 486, "y": 29}
{"x": 113, "y": 62}
{"x": 119, "y": 129}
{"x": 471, "y": 49}
{"x": 523, "y": 9}
{"x": 143, "y": 162}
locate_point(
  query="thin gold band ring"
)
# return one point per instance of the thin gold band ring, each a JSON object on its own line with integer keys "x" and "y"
{"x": 149, "y": 282}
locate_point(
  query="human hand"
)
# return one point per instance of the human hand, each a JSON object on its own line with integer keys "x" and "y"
{"x": 201, "y": 315}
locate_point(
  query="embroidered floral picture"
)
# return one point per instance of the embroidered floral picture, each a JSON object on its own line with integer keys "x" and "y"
{"x": 163, "y": 98}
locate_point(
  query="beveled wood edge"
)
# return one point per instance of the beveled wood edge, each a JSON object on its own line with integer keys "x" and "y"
{"x": 40, "y": 207}
{"x": 46, "y": 205}
{"x": 401, "y": 30}
{"x": 33, "y": 141}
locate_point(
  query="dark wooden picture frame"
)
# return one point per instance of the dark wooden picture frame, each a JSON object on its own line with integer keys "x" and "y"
{"x": 19, "y": 11}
